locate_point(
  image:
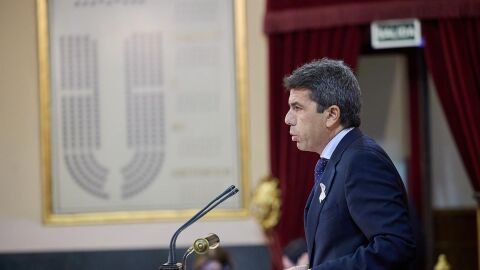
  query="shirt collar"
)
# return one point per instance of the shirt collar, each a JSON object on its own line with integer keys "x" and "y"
{"x": 333, "y": 143}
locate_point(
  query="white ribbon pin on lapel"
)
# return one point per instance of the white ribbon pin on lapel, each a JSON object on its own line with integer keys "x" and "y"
{"x": 322, "y": 193}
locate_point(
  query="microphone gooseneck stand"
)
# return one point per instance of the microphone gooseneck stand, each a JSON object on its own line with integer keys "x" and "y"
{"x": 172, "y": 263}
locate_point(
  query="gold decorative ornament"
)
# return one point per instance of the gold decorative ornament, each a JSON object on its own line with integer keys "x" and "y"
{"x": 442, "y": 263}
{"x": 265, "y": 203}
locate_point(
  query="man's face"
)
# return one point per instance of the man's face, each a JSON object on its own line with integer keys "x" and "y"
{"x": 307, "y": 126}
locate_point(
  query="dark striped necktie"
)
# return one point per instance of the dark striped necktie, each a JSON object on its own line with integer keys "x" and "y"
{"x": 319, "y": 169}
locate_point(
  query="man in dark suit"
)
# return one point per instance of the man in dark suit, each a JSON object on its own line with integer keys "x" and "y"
{"x": 356, "y": 216}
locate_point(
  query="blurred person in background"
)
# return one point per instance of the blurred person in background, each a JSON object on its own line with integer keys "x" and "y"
{"x": 214, "y": 259}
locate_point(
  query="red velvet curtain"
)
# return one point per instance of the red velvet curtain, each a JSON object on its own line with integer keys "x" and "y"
{"x": 452, "y": 51}
{"x": 297, "y": 15}
{"x": 293, "y": 168}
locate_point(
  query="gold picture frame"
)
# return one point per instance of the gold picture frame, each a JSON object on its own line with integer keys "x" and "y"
{"x": 51, "y": 216}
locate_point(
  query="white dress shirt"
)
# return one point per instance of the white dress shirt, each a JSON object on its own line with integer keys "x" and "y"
{"x": 332, "y": 144}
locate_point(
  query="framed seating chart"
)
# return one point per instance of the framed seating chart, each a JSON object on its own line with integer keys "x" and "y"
{"x": 143, "y": 108}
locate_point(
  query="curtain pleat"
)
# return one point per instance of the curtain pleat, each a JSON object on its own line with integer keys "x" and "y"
{"x": 453, "y": 58}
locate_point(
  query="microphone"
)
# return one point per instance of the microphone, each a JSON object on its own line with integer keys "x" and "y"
{"x": 202, "y": 245}
{"x": 171, "y": 262}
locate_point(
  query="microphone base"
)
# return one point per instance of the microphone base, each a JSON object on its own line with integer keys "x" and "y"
{"x": 177, "y": 266}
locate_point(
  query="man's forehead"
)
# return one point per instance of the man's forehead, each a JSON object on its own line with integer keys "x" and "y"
{"x": 299, "y": 95}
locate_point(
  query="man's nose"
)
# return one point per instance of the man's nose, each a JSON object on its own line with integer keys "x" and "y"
{"x": 288, "y": 118}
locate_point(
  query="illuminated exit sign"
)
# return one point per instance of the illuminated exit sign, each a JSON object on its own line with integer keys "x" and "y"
{"x": 396, "y": 33}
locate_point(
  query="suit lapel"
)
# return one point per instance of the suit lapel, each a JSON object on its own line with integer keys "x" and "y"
{"x": 312, "y": 220}
{"x": 329, "y": 173}
{"x": 308, "y": 229}
{"x": 313, "y": 214}
{"x": 314, "y": 207}
{"x": 307, "y": 205}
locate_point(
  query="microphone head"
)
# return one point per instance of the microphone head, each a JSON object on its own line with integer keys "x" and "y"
{"x": 202, "y": 245}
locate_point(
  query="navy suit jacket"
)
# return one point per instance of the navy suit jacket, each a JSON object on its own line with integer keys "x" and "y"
{"x": 363, "y": 222}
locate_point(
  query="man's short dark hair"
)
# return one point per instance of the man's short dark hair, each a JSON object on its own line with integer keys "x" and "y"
{"x": 331, "y": 82}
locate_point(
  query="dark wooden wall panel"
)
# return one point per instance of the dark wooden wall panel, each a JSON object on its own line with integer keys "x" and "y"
{"x": 455, "y": 233}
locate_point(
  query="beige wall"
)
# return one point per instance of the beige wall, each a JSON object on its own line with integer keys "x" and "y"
{"x": 21, "y": 228}
{"x": 387, "y": 94}
{"x": 451, "y": 186}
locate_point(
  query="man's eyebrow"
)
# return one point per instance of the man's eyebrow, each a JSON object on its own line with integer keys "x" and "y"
{"x": 295, "y": 103}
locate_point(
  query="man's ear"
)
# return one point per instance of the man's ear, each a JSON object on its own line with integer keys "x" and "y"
{"x": 333, "y": 116}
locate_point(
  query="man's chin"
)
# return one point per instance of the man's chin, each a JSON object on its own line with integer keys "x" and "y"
{"x": 303, "y": 147}
{"x": 300, "y": 146}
